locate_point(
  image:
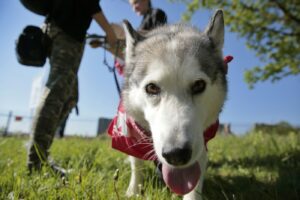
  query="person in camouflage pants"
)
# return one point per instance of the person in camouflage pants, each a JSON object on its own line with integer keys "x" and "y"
{"x": 68, "y": 22}
{"x": 60, "y": 95}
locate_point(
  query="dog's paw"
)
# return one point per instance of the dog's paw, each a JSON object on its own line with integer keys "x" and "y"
{"x": 192, "y": 196}
{"x": 133, "y": 190}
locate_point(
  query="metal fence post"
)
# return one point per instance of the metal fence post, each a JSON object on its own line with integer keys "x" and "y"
{"x": 7, "y": 124}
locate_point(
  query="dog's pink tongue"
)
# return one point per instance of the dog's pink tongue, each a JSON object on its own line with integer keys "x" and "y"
{"x": 181, "y": 181}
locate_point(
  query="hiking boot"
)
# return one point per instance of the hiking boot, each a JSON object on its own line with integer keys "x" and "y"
{"x": 38, "y": 158}
{"x": 56, "y": 169}
{"x": 59, "y": 170}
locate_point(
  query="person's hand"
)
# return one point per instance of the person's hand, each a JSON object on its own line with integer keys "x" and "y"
{"x": 112, "y": 39}
{"x": 118, "y": 30}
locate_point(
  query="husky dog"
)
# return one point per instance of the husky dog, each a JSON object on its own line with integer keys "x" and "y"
{"x": 175, "y": 87}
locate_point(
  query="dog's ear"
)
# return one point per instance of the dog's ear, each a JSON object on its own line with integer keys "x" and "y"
{"x": 132, "y": 38}
{"x": 215, "y": 29}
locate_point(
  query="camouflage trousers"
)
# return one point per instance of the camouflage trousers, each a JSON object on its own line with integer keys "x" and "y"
{"x": 59, "y": 97}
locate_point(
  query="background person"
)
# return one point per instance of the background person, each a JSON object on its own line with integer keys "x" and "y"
{"x": 152, "y": 17}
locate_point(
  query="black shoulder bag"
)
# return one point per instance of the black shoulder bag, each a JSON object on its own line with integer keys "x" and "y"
{"x": 33, "y": 44}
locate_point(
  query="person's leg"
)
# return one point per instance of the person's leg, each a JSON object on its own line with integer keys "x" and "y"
{"x": 69, "y": 105}
{"x": 61, "y": 129}
{"x": 65, "y": 59}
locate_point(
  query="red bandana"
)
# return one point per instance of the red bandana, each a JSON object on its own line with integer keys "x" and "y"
{"x": 128, "y": 137}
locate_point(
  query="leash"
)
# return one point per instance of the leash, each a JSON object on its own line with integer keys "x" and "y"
{"x": 113, "y": 68}
{"x": 103, "y": 43}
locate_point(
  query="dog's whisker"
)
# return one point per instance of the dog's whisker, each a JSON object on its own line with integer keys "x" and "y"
{"x": 145, "y": 139}
{"x": 136, "y": 144}
{"x": 152, "y": 153}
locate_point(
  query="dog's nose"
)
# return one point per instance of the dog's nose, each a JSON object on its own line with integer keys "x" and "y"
{"x": 177, "y": 156}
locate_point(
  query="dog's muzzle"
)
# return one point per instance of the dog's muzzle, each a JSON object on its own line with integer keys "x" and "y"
{"x": 177, "y": 156}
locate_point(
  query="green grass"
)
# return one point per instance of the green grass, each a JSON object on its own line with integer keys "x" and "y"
{"x": 252, "y": 167}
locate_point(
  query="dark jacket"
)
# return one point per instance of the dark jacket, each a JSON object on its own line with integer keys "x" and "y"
{"x": 153, "y": 18}
{"x": 74, "y": 16}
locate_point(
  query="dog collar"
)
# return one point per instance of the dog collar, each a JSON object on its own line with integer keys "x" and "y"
{"x": 130, "y": 138}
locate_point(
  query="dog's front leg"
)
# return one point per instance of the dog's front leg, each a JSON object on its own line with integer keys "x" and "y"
{"x": 196, "y": 194}
{"x": 136, "y": 176}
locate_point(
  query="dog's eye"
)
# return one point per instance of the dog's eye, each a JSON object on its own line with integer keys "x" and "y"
{"x": 152, "y": 89}
{"x": 198, "y": 87}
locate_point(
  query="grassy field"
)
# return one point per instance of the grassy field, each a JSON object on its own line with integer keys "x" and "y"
{"x": 252, "y": 167}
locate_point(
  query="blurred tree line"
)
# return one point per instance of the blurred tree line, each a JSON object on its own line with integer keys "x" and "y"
{"x": 280, "y": 128}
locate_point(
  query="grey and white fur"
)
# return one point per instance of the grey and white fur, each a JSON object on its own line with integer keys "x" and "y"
{"x": 175, "y": 87}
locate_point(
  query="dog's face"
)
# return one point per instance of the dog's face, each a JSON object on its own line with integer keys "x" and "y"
{"x": 175, "y": 86}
